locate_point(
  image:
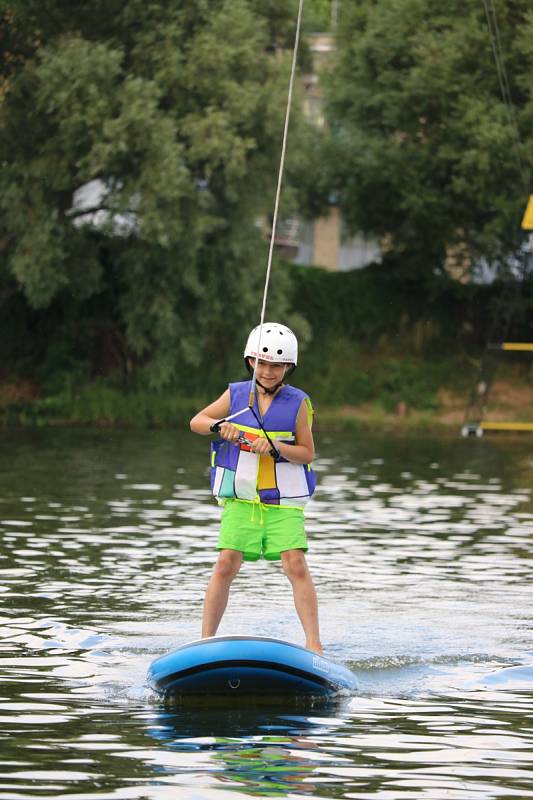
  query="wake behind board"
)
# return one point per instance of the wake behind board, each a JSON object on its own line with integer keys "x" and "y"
{"x": 247, "y": 666}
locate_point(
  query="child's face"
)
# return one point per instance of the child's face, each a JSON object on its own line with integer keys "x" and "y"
{"x": 269, "y": 372}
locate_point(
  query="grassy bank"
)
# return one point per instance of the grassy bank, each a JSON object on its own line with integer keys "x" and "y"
{"x": 95, "y": 404}
{"x": 438, "y": 408}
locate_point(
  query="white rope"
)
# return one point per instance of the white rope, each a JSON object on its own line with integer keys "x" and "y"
{"x": 278, "y": 189}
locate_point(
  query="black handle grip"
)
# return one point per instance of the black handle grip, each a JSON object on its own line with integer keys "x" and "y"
{"x": 274, "y": 453}
{"x": 215, "y": 427}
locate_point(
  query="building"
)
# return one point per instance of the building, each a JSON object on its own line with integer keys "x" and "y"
{"x": 323, "y": 242}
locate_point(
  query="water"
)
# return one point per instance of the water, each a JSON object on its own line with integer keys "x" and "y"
{"x": 420, "y": 552}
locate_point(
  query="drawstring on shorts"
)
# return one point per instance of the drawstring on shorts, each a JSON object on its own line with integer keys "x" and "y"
{"x": 262, "y": 508}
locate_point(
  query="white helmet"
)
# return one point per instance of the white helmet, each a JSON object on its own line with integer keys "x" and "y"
{"x": 278, "y": 343}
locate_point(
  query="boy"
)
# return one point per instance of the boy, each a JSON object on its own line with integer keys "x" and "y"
{"x": 261, "y": 474}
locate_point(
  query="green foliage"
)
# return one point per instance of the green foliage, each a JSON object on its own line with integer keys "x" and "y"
{"x": 172, "y": 113}
{"x": 423, "y": 153}
{"x": 367, "y": 305}
{"x": 381, "y": 336}
{"x": 317, "y": 15}
{"x": 376, "y": 339}
{"x": 103, "y": 405}
{"x": 409, "y": 381}
{"x": 350, "y": 377}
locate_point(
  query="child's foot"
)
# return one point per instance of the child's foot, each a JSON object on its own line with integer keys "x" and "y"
{"x": 316, "y": 647}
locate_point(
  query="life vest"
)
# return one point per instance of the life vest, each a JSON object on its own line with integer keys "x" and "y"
{"x": 237, "y": 472}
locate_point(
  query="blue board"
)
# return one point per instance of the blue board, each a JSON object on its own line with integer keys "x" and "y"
{"x": 232, "y": 666}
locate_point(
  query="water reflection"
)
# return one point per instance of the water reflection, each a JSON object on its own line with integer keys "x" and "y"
{"x": 421, "y": 552}
{"x": 370, "y": 746}
{"x": 264, "y": 754}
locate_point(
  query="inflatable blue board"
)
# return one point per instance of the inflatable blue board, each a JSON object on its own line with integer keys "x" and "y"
{"x": 229, "y": 666}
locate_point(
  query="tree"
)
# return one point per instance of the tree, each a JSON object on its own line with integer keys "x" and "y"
{"x": 422, "y": 152}
{"x": 167, "y": 117}
{"x": 317, "y": 15}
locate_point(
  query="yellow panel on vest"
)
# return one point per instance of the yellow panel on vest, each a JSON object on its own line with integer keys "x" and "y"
{"x": 266, "y": 478}
{"x": 288, "y": 435}
{"x": 527, "y": 222}
{"x": 310, "y": 412}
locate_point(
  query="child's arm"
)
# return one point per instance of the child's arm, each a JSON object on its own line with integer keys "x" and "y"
{"x": 201, "y": 422}
{"x": 303, "y": 449}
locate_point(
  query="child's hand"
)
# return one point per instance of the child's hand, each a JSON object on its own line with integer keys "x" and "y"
{"x": 261, "y": 446}
{"x": 229, "y": 432}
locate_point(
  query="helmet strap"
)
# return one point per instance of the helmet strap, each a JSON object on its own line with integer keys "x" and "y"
{"x": 272, "y": 390}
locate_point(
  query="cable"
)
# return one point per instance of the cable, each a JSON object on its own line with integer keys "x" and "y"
{"x": 278, "y": 195}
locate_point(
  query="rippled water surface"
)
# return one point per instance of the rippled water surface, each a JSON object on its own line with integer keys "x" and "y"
{"x": 420, "y": 549}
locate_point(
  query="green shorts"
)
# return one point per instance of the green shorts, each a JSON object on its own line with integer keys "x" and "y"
{"x": 257, "y": 529}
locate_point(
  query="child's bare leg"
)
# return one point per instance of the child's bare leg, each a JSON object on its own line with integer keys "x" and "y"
{"x": 217, "y": 592}
{"x": 297, "y": 571}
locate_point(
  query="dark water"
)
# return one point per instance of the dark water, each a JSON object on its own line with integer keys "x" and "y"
{"x": 420, "y": 549}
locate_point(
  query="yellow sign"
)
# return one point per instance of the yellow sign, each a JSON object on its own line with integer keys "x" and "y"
{"x": 527, "y": 222}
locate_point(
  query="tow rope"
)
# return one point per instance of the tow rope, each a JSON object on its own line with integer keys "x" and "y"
{"x": 252, "y": 398}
